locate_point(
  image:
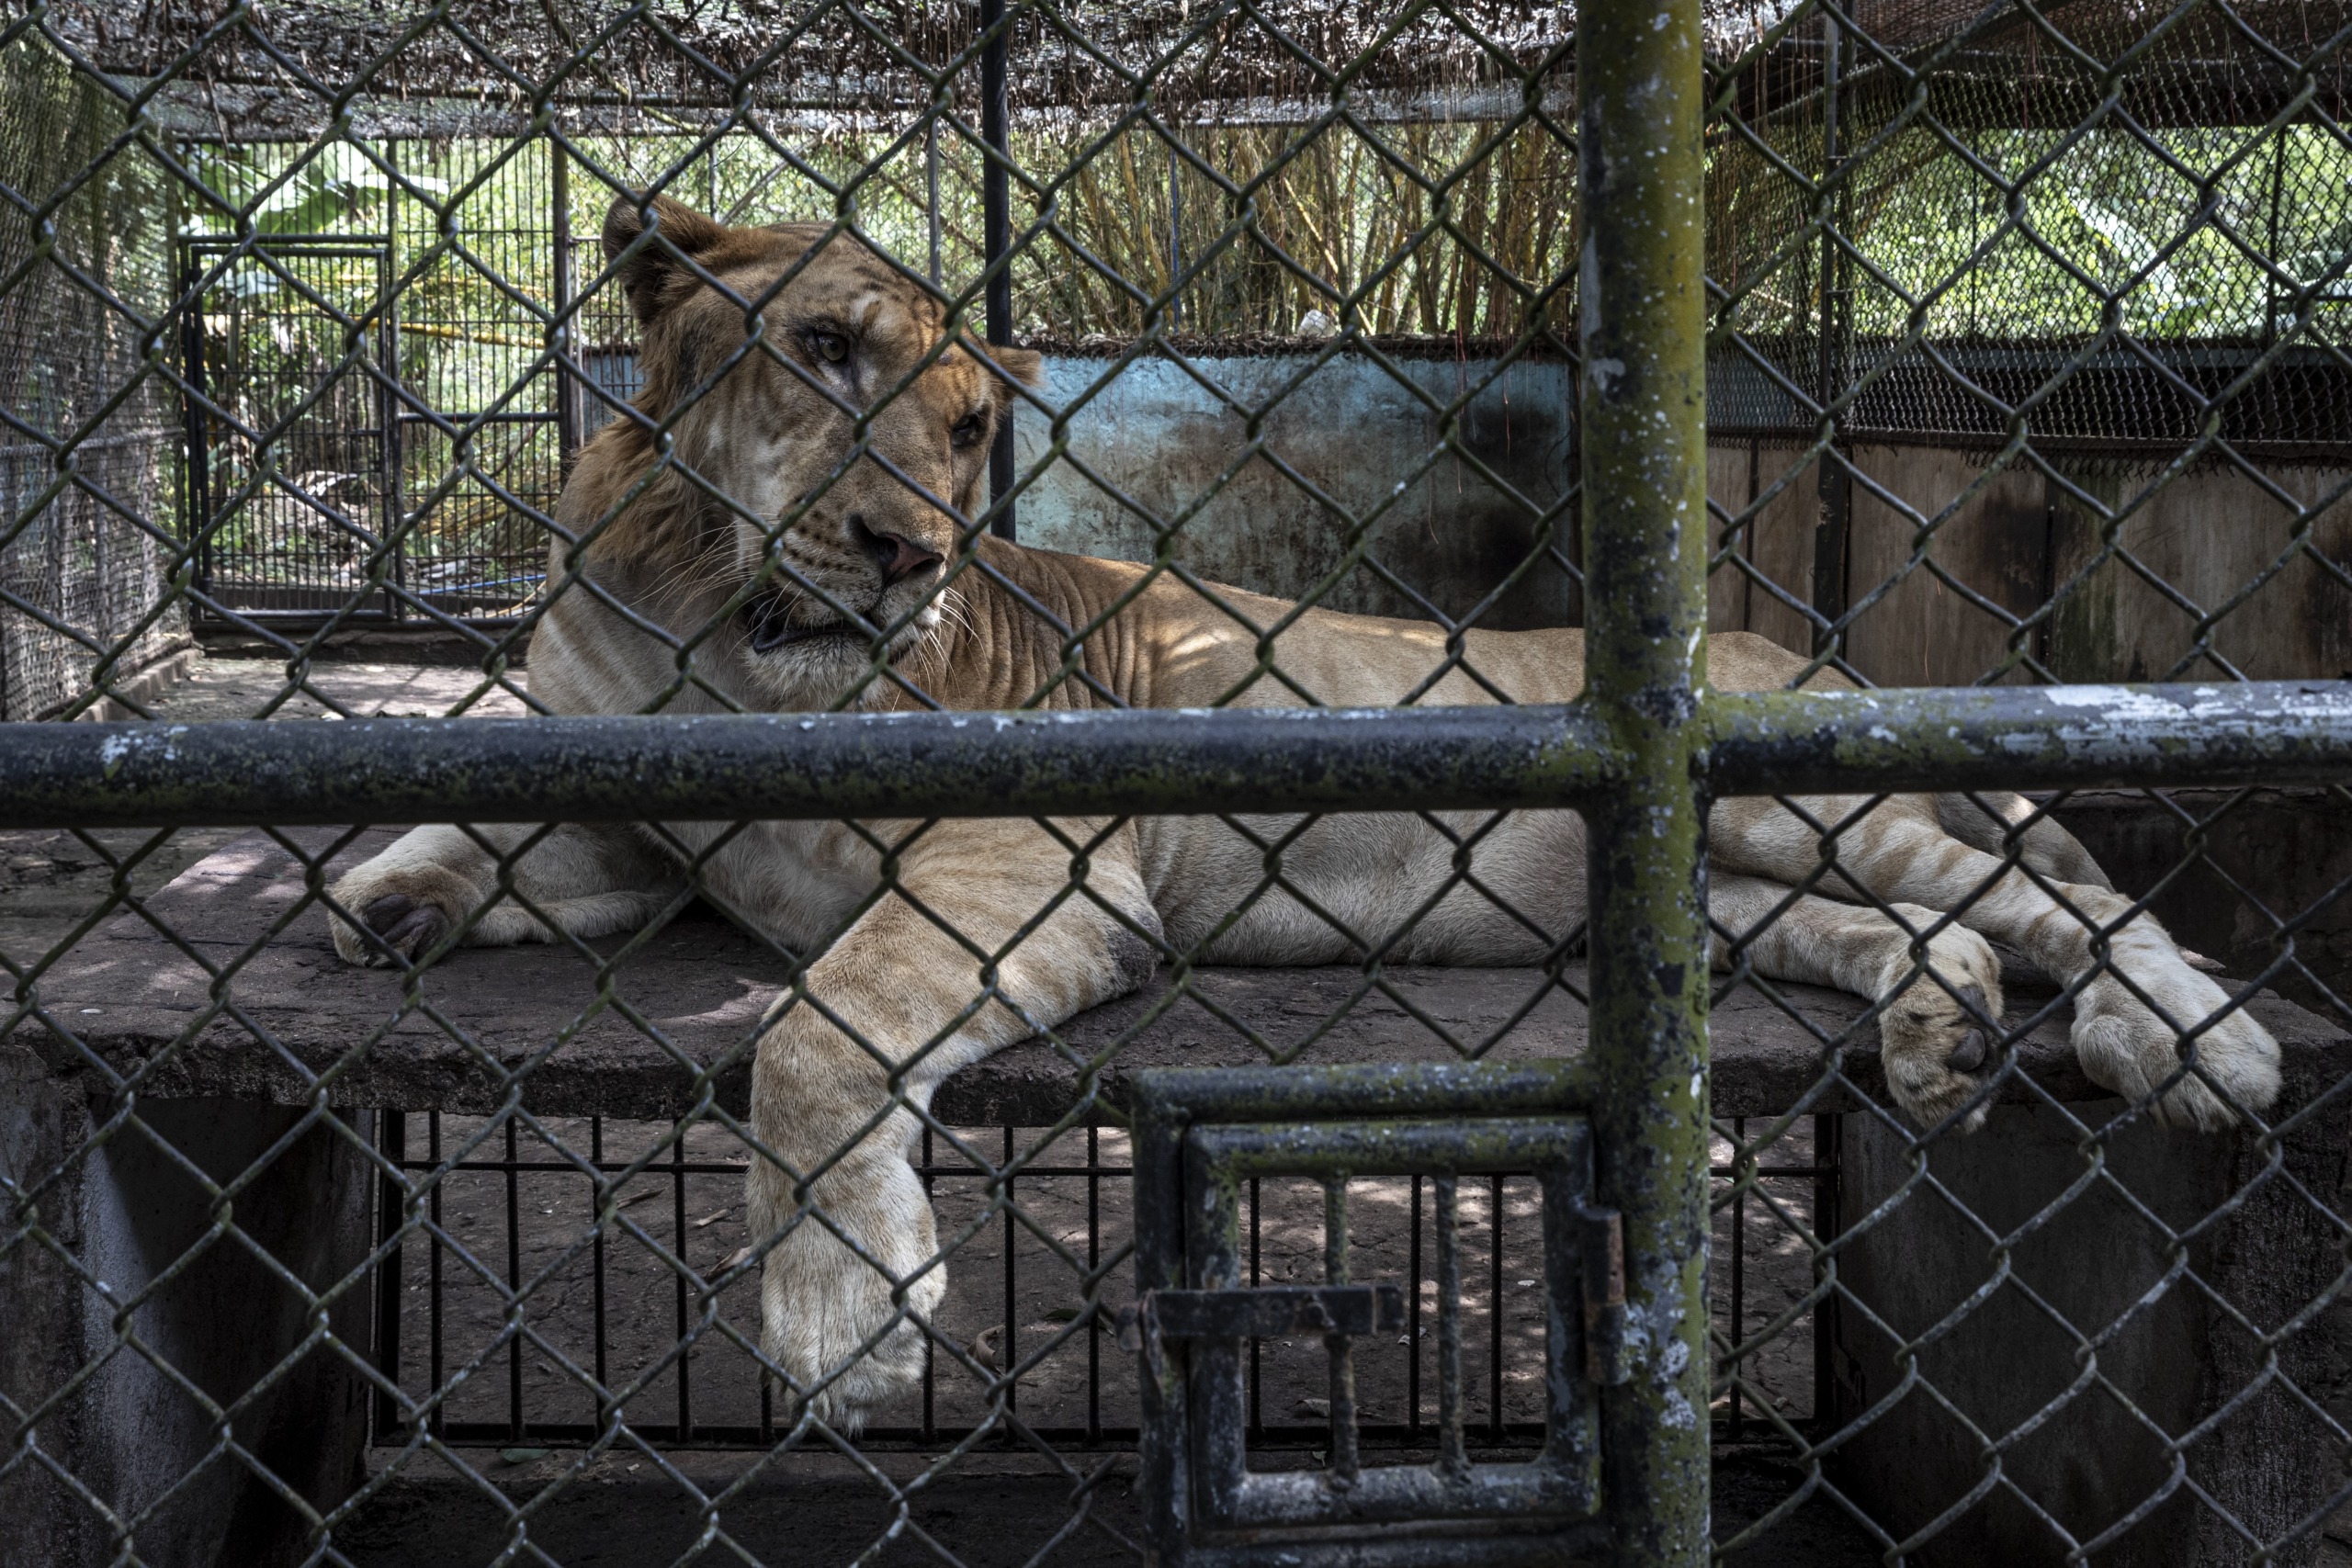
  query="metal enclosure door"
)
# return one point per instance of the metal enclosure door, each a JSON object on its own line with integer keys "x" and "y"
{"x": 1201, "y": 1138}
{"x": 292, "y": 463}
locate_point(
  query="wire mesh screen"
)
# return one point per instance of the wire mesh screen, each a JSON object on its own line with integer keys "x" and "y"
{"x": 87, "y": 524}
{"x": 778, "y": 1168}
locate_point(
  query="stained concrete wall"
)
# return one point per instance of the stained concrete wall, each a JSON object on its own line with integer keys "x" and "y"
{"x": 2274, "y": 573}
{"x": 1272, "y": 505}
{"x": 2028, "y": 1352}
{"x": 129, "y": 1212}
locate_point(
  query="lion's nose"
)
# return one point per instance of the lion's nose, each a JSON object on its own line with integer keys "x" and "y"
{"x": 898, "y": 555}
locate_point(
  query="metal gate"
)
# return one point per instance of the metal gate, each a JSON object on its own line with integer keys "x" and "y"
{"x": 292, "y": 454}
{"x": 1202, "y": 1137}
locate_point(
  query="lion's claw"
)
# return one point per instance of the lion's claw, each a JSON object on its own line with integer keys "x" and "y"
{"x": 403, "y": 926}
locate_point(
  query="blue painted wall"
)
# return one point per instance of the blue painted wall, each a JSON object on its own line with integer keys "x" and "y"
{"x": 1348, "y": 442}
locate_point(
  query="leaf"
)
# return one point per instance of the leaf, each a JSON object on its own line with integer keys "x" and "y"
{"x": 521, "y": 1456}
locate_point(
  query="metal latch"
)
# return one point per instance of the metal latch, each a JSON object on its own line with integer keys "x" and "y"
{"x": 1271, "y": 1312}
{"x": 1608, "y": 1360}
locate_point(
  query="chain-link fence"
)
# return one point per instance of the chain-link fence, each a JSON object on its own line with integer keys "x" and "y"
{"x": 1662, "y": 1098}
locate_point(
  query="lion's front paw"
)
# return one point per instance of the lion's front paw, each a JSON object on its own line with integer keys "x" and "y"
{"x": 834, "y": 1324}
{"x": 848, "y": 1333}
{"x": 1937, "y": 1047}
{"x": 402, "y": 921}
{"x": 2126, "y": 1047}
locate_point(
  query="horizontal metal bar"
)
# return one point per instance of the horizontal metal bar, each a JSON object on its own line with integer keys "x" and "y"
{"x": 785, "y": 765}
{"x": 439, "y": 418}
{"x": 732, "y": 766}
{"x": 1272, "y": 1311}
{"x": 1451, "y": 1144}
{"x": 943, "y": 1172}
{"x": 2258, "y": 732}
{"x": 1391, "y": 1435}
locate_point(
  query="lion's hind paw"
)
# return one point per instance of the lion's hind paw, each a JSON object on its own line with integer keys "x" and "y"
{"x": 2233, "y": 1062}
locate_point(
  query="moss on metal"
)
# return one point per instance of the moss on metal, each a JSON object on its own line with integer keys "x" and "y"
{"x": 1646, "y": 509}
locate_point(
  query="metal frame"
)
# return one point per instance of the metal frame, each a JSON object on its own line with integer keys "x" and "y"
{"x": 196, "y": 450}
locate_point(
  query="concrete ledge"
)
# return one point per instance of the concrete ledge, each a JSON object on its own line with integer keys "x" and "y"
{"x": 146, "y": 685}
{"x": 139, "y": 1001}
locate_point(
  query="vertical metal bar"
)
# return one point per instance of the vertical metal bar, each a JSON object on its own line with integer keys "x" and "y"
{"x": 438, "y": 1421}
{"x": 930, "y": 1375}
{"x": 678, "y": 1234}
{"x": 1009, "y": 1349}
{"x": 2270, "y": 250}
{"x": 1094, "y": 1262}
{"x": 388, "y": 406}
{"x": 1413, "y": 1325}
{"x": 567, "y": 337}
{"x": 199, "y": 489}
{"x": 1495, "y": 1313}
{"x": 1164, "y": 1219}
{"x": 1833, "y": 484}
{"x": 931, "y": 192}
{"x": 1175, "y": 245}
{"x": 1339, "y": 1348}
{"x": 1452, "y": 1455}
{"x": 513, "y": 1283}
{"x": 1257, "y": 1412}
{"x": 1643, "y": 308}
{"x": 596, "y": 1160}
{"x": 391, "y": 1140}
{"x": 996, "y": 234}
{"x": 1738, "y": 1269}
{"x": 1828, "y": 1149}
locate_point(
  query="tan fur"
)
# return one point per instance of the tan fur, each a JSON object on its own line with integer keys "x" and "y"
{"x": 840, "y": 1225}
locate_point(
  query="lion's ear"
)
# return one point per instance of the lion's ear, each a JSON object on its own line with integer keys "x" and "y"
{"x": 1026, "y": 366}
{"x": 644, "y": 274}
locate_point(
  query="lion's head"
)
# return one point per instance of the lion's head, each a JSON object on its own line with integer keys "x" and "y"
{"x": 763, "y": 349}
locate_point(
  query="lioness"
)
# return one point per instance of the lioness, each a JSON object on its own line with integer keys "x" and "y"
{"x": 882, "y": 548}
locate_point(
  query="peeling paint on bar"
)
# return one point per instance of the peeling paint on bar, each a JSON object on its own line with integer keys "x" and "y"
{"x": 2269, "y": 732}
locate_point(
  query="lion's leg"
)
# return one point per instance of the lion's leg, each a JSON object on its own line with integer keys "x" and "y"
{"x": 853, "y": 1267}
{"x": 1933, "y": 1024}
{"x": 1900, "y": 851}
{"x": 589, "y": 881}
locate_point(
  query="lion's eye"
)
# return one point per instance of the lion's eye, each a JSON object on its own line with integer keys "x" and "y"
{"x": 831, "y": 347}
{"x": 968, "y": 429}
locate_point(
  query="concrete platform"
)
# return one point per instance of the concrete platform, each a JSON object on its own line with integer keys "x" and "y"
{"x": 142, "y": 1002}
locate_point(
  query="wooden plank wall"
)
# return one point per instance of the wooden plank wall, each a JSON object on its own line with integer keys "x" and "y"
{"x": 2218, "y": 537}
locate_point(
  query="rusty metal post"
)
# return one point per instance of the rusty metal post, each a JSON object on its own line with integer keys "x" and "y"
{"x": 1643, "y": 441}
